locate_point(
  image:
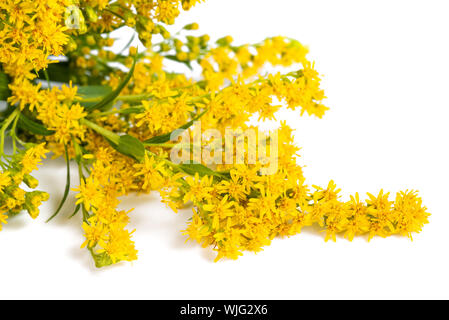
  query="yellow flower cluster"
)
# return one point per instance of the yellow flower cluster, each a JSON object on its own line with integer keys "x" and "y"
{"x": 119, "y": 128}
{"x": 378, "y": 216}
{"x": 99, "y": 16}
{"x": 247, "y": 211}
{"x": 104, "y": 225}
{"x": 225, "y": 61}
{"x": 55, "y": 108}
{"x": 31, "y": 31}
{"x": 13, "y": 198}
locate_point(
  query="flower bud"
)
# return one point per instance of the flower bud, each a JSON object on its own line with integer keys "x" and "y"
{"x": 130, "y": 19}
{"x": 225, "y": 41}
{"x": 85, "y": 50}
{"x": 191, "y": 26}
{"x": 182, "y": 56}
{"x": 110, "y": 42}
{"x": 91, "y": 14}
{"x": 132, "y": 51}
{"x": 90, "y": 40}
{"x": 204, "y": 39}
{"x": 30, "y": 181}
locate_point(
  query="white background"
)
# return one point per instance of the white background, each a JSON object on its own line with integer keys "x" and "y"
{"x": 385, "y": 67}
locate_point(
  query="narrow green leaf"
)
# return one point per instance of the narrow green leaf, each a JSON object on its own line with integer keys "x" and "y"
{"x": 4, "y": 89}
{"x": 77, "y": 208}
{"x": 47, "y": 78}
{"x": 67, "y": 185}
{"x": 193, "y": 168}
{"x": 59, "y": 72}
{"x": 159, "y": 139}
{"x": 92, "y": 94}
{"x": 166, "y": 137}
{"x": 114, "y": 94}
{"x": 33, "y": 126}
{"x": 130, "y": 146}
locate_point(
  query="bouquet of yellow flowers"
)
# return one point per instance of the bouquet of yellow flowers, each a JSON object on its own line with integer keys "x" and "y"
{"x": 131, "y": 125}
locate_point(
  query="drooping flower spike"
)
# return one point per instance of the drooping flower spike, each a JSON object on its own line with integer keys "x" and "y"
{"x": 149, "y": 129}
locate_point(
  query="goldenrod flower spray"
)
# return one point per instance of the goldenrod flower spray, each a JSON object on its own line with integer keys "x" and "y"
{"x": 132, "y": 131}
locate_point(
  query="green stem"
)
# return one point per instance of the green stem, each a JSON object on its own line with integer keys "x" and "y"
{"x": 5, "y": 126}
{"x": 114, "y": 111}
{"x": 124, "y": 98}
{"x": 168, "y": 162}
{"x": 13, "y": 135}
{"x": 114, "y": 13}
{"x": 82, "y": 179}
{"x": 115, "y": 138}
{"x": 79, "y": 162}
{"x": 135, "y": 97}
{"x": 67, "y": 186}
{"x": 47, "y": 78}
{"x": 128, "y": 44}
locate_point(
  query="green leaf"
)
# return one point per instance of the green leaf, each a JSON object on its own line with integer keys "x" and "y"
{"x": 130, "y": 146}
{"x": 92, "y": 94}
{"x": 33, "y": 127}
{"x": 67, "y": 185}
{"x": 77, "y": 208}
{"x": 159, "y": 139}
{"x": 193, "y": 168}
{"x": 59, "y": 72}
{"x": 101, "y": 259}
{"x": 109, "y": 99}
{"x": 4, "y": 89}
{"x": 166, "y": 137}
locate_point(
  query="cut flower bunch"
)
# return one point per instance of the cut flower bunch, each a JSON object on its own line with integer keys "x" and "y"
{"x": 121, "y": 117}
